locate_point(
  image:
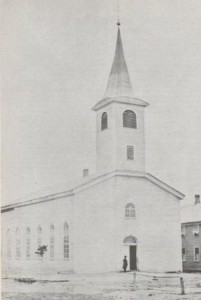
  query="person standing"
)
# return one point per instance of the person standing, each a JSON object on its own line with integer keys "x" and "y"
{"x": 125, "y": 263}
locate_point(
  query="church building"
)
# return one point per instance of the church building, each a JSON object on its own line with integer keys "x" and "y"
{"x": 91, "y": 224}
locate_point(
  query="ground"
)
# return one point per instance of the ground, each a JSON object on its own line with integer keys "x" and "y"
{"x": 110, "y": 286}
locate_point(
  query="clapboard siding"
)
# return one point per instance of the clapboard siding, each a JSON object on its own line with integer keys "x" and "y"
{"x": 189, "y": 242}
{"x": 156, "y": 226}
{"x": 98, "y": 227}
{"x": 44, "y": 214}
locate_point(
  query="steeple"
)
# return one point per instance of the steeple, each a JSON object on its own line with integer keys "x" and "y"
{"x": 119, "y": 81}
{"x": 120, "y": 121}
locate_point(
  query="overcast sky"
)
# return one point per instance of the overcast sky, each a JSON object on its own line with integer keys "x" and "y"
{"x": 55, "y": 61}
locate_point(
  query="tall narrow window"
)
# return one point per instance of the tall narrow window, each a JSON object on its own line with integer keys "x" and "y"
{"x": 196, "y": 254}
{"x": 104, "y": 121}
{"x": 28, "y": 243}
{"x": 39, "y": 232}
{"x": 18, "y": 244}
{"x": 183, "y": 254}
{"x": 8, "y": 244}
{"x": 129, "y": 119}
{"x": 130, "y": 152}
{"x": 130, "y": 210}
{"x": 52, "y": 242}
{"x": 196, "y": 229}
{"x": 66, "y": 241}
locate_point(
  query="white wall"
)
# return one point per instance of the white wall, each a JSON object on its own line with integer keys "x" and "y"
{"x": 97, "y": 223}
{"x": 105, "y": 140}
{"x": 157, "y": 224}
{"x": 94, "y": 246}
{"x": 111, "y": 148}
{"x": 129, "y": 136}
{"x": 54, "y": 212}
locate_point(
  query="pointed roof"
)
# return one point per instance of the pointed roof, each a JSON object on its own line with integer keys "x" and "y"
{"x": 119, "y": 81}
{"x": 191, "y": 213}
{"x": 119, "y": 88}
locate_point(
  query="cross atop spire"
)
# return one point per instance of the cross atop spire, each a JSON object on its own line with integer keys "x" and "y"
{"x": 119, "y": 81}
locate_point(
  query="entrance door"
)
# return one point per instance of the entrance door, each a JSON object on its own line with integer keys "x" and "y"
{"x": 133, "y": 259}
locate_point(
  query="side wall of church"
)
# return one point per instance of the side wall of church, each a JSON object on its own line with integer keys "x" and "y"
{"x": 156, "y": 224}
{"x": 55, "y": 213}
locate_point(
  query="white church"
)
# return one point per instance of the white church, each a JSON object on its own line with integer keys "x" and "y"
{"x": 91, "y": 224}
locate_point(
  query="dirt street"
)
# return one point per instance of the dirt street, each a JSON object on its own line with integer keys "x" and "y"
{"x": 110, "y": 286}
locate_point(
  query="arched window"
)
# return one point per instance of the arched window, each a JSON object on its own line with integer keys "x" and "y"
{"x": 104, "y": 121}
{"x": 52, "y": 242}
{"x": 130, "y": 240}
{"x": 39, "y": 232}
{"x": 18, "y": 243}
{"x": 66, "y": 241}
{"x": 28, "y": 242}
{"x": 8, "y": 244}
{"x": 130, "y": 210}
{"x": 129, "y": 119}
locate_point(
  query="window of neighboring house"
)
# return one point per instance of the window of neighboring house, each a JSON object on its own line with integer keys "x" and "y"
{"x": 183, "y": 230}
{"x": 183, "y": 254}
{"x": 28, "y": 243}
{"x": 196, "y": 229}
{"x": 130, "y": 152}
{"x": 104, "y": 121}
{"x": 52, "y": 242}
{"x": 66, "y": 241}
{"x": 130, "y": 210}
{"x": 18, "y": 244}
{"x": 196, "y": 254}
{"x": 8, "y": 244}
{"x": 129, "y": 119}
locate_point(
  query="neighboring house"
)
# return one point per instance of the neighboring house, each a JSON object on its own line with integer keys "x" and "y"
{"x": 191, "y": 236}
{"x": 91, "y": 224}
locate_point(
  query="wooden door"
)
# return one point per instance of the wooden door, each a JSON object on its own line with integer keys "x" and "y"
{"x": 133, "y": 258}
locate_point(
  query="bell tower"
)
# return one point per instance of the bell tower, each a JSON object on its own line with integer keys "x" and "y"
{"x": 120, "y": 143}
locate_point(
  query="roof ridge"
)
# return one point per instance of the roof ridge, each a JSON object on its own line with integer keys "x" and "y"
{"x": 91, "y": 180}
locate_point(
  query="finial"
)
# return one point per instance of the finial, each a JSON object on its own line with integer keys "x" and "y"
{"x": 118, "y": 19}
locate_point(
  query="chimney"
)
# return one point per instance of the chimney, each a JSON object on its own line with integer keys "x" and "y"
{"x": 85, "y": 172}
{"x": 197, "y": 199}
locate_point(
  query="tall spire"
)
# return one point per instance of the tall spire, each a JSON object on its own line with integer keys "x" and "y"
{"x": 119, "y": 81}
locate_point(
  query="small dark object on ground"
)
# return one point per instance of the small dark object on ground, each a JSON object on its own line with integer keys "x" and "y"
{"x": 25, "y": 280}
{"x": 49, "y": 281}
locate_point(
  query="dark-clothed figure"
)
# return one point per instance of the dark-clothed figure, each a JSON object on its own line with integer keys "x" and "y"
{"x": 125, "y": 263}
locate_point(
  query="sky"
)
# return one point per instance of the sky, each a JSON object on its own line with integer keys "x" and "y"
{"x": 55, "y": 62}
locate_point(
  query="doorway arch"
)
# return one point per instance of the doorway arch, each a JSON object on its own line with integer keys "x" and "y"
{"x": 130, "y": 239}
{"x": 131, "y": 242}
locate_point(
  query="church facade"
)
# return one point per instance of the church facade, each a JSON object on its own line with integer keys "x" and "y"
{"x": 90, "y": 225}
